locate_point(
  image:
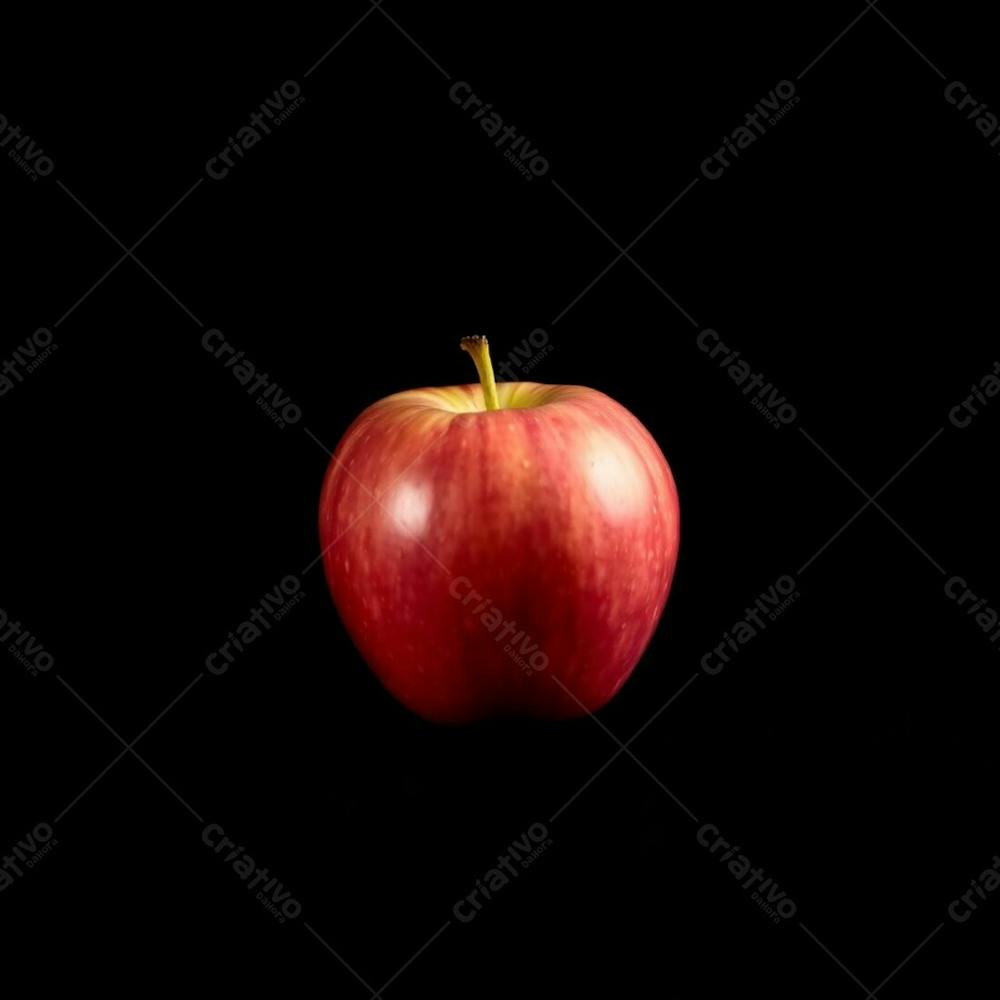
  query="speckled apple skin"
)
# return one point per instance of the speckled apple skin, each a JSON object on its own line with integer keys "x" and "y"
{"x": 496, "y": 563}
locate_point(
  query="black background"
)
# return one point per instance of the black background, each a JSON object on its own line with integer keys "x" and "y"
{"x": 149, "y": 504}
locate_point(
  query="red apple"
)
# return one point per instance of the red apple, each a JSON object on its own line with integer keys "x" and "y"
{"x": 499, "y": 550}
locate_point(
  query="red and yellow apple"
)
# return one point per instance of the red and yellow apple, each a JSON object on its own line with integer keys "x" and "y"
{"x": 499, "y": 550}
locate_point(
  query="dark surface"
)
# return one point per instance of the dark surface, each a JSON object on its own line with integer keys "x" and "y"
{"x": 149, "y": 504}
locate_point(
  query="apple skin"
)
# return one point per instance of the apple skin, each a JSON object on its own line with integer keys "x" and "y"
{"x": 558, "y": 509}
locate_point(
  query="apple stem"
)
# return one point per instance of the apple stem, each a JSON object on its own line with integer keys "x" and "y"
{"x": 479, "y": 350}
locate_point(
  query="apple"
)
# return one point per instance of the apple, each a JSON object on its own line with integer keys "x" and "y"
{"x": 499, "y": 550}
